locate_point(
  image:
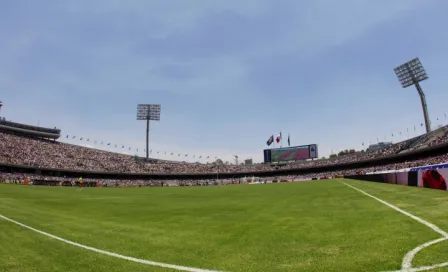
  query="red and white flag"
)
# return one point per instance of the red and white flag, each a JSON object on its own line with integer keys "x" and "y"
{"x": 278, "y": 138}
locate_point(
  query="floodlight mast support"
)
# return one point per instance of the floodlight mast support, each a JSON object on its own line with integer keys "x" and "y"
{"x": 424, "y": 107}
{"x": 147, "y": 138}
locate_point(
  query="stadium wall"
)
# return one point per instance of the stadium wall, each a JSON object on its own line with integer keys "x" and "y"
{"x": 433, "y": 177}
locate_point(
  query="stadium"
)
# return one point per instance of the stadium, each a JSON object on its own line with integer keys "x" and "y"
{"x": 156, "y": 223}
{"x": 79, "y": 202}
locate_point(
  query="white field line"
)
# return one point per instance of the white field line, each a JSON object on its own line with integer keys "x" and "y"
{"x": 112, "y": 254}
{"x": 406, "y": 265}
{"x": 416, "y": 218}
{"x": 426, "y": 268}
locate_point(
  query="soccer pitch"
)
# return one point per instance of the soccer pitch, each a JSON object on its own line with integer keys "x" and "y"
{"x": 303, "y": 226}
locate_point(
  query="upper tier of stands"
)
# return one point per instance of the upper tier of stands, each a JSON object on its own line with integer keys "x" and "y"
{"x": 29, "y": 151}
{"x": 28, "y": 130}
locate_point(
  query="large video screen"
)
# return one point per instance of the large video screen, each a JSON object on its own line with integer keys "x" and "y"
{"x": 295, "y": 153}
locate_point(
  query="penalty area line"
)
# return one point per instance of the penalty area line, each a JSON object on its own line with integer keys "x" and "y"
{"x": 111, "y": 254}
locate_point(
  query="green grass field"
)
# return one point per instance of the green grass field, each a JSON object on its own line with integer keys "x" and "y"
{"x": 305, "y": 226}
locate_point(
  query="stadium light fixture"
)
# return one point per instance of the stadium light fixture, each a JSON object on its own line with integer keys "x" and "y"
{"x": 411, "y": 73}
{"x": 148, "y": 112}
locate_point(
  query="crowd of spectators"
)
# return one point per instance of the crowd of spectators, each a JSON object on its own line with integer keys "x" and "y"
{"x": 65, "y": 181}
{"x": 21, "y": 150}
{"x": 20, "y": 178}
{"x": 439, "y": 140}
{"x": 433, "y": 138}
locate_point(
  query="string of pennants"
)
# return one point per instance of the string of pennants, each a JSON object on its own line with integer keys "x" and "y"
{"x": 407, "y": 131}
{"x": 128, "y": 148}
{"x": 176, "y": 154}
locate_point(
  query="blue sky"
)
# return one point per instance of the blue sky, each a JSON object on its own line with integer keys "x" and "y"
{"x": 228, "y": 73}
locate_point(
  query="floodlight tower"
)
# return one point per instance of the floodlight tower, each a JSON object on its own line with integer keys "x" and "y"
{"x": 148, "y": 112}
{"x": 1, "y": 105}
{"x": 411, "y": 73}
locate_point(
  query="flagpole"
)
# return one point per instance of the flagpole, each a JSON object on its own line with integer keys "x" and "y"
{"x": 281, "y": 139}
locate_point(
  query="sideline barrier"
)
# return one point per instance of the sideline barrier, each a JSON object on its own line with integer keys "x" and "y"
{"x": 429, "y": 167}
{"x": 433, "y": 177}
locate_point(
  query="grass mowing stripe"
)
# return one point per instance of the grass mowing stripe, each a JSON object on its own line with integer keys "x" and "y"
{"x": 424, "y": 222}
{"x": 132, "y": 259}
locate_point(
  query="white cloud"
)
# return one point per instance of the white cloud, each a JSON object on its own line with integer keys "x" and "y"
{"x": 310, "y": 27}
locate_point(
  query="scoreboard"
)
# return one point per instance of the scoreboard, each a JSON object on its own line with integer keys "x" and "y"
{"x": 295, "y": 153}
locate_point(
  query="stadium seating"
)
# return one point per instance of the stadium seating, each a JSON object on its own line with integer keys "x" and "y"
{"x": 29, "y": 151}
{"x": 65, "y": 181}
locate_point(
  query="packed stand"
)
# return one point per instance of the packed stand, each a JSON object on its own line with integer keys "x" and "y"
{"x": 32, "y": 179}
{"x": 49, "y": 154}
{"x": 439, "y": 140}
{"x": 64, "y": 181}
{"x": 41, "y": 153}
{"x": 433, "y": 138}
